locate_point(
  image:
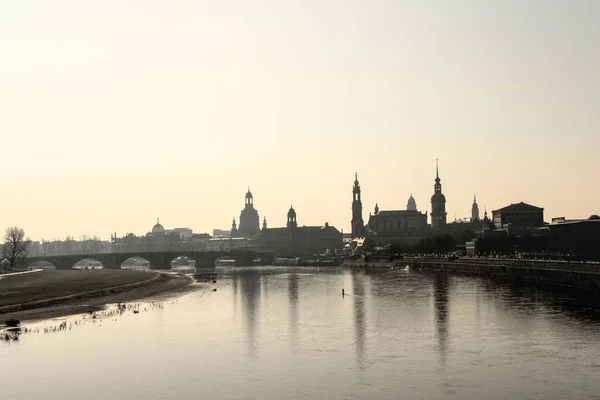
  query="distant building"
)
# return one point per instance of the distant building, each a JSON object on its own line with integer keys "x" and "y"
{"x": 227, "y": 244}
{"x": 249, "y": 220}
{"x": 358, "y": 225}
{"x": 438, "y": 204}
{"x": 221, "y": 233}
{"x": 294, "y": 239}
{"x": 184, "y": 233}
{"x": 156, "y": 240}
{"x": 404, "y": 226}
{"x": 518, "y": 219}
{"x": 199, "y": 241}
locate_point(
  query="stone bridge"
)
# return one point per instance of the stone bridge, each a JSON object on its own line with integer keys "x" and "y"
{"x": 158, "y": 260}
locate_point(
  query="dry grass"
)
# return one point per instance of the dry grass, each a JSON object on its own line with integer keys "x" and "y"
{"x": 50, "y": 284}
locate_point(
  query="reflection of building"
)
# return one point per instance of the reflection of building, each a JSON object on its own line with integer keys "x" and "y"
{"x": 518, "y": 219}
{"x": 156, "y": 240}
{"x": 358, "y": 225}
{"x": 304, "y": 239}
{"x": 438, "y": 204}
{"x": 249, "y": 220}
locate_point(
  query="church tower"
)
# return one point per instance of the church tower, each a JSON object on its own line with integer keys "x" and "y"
{"x": 234, "y": 230}
{"x": 438, "y": 203}
{"x": 474, "y": 210}
{"x": 292, "y": 224}
{"x": 358, "y": 224}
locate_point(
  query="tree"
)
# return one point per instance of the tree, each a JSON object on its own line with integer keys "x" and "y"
{"x": 15, "y": 246}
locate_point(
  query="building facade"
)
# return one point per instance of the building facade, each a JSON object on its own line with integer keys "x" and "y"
{"x": 518, "y": 219}
{"x": 295, "y": 240}
{"x": 404, "y": 226}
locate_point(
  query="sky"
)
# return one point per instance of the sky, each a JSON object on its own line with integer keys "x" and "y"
{"x": 115, "y": 113}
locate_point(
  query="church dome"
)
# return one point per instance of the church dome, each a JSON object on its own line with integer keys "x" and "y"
{"x": 594, "y": 217}
{"x": 158, "y": 228}
{"x": 412, "y": 204}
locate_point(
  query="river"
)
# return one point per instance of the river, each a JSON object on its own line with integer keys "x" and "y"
{"x": 288, "y": 333}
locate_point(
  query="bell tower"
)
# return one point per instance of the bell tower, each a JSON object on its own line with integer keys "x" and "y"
{"x": 474, "y": 210}
{"x": 358, "y": 224}
{"x": 438, "y": 203}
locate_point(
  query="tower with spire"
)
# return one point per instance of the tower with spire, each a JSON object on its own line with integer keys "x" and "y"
{"x": 358, "y": 225}
{"x": 438, "y": 203}
{"x": 264, "y": 223}
{"x": 474, "y": 210}
{"x": 234, "y": 230}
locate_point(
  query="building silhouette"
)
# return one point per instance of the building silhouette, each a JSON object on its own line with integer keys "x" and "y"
{"x": 518, "y": 219}
{"x": 249, "y": 220}
{"x": 358, "y": 225}
{"x": 405, "y": 226}
{"x": 293, "y": 239}
{"x": 438, "y": 204}
{"x": 474, "y": 210}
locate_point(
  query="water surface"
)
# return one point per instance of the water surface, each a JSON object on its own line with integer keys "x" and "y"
{"x": 285, "y": 333}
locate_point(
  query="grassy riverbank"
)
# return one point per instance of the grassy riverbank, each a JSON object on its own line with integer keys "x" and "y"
{"x": 52, "y": 284}
{"x": 50, "y": 294}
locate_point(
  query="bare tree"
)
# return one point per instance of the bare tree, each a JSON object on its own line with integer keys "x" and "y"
{"x": 68, "y": 245}
{"x": 15, "y": 246}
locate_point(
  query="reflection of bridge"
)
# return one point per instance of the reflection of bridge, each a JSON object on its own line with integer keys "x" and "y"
{"x": 158, "y": 259}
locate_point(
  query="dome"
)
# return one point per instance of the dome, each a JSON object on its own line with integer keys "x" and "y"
{"x": 594, "y": 217}
{"x": 158, "y": 228}
{"x": 412, "y": 204}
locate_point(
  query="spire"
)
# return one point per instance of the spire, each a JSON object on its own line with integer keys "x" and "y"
{"x": 437, "y": 174}
{"x": 157, "y": 221}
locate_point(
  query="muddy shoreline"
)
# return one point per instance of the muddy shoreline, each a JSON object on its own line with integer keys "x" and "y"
{"x": 163, "y": 287}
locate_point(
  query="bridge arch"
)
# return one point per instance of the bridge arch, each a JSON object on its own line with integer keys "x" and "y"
{"x": 88, "y": 263}
{"x": 136, "y": 263}
{"x": 41, "y": 264}
{"x": 183, "y": 263}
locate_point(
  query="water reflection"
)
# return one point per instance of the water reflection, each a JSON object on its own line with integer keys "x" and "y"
{"x": 293, "y": 310}
{"x": 441, "y": 310}
{"x": 359, "y": 294}
{"x": 394, "y": 335}
{"x": 250, "y": 292}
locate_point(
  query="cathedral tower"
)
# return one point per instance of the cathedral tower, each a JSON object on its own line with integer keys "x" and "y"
{"x": 474, "y": 210}
{"x": 438, "y": 203}
{"x": 358, "y": 224}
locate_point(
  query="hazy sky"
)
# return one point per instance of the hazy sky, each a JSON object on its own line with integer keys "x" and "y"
{"x": 113, "y": 113}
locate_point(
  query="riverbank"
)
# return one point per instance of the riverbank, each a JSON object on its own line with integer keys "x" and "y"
{"x": 58, "y": 293}
{"x": 584, "y": 276}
